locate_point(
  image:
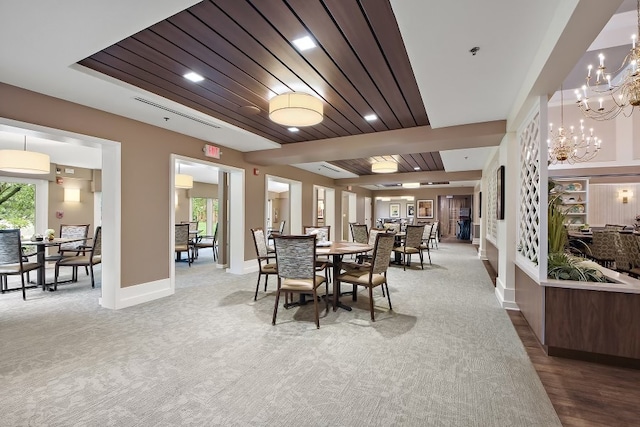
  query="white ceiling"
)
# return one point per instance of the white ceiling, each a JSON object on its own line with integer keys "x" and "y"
{"x": 466, "y": 159}
{"x": 48, "y": 38}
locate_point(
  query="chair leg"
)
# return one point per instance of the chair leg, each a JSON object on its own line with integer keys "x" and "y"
{"x": 266, "y": 280}
{"x": 404, "y": 264}
{"x": 388, "y": 295}
{"x": 93, "y": 284}
{"x": 421, "y": 259}
{"x": 373, "y": 319}
{"x": 315, "y": 306}
{"x": 24, "y": 292}
{"x": 275, "y": 307}
{"x": 55, "y": 277}
{"x": 255, "y": 297}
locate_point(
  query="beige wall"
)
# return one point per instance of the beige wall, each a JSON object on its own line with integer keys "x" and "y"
{"x": 145, "y": 197}
{"x": 381, "y": 209}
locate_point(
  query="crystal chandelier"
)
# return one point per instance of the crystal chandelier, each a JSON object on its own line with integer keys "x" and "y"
{"x": 572, "y": 146}
{"x": 623, "y": 90}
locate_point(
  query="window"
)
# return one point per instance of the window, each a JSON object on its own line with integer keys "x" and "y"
{"x": 18, "y": 207}
{"x": 205, "y": 211}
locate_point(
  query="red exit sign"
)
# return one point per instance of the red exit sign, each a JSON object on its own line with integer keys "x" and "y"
{"x": 212, "y": 151}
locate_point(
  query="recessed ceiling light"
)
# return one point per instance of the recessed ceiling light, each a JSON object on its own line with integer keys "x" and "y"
{"x": 194, "y": 77}
{"x": 370, "y": 117}
{"x": 416, "y": 168}
{"x": 293, "y": 129}
{"x": 429, "y": 183}
{"x": 304, "y": 43}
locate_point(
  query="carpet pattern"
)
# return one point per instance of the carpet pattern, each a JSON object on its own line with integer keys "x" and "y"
{"x": 447, "y": 355}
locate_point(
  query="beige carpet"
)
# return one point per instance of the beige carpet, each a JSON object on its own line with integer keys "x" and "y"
{"x": 446, "y": 356}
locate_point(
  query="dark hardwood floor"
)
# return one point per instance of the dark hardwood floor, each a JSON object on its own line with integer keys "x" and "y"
{"x": 583, "y": 393}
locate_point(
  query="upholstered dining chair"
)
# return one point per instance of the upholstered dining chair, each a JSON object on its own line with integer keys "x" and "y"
{"x": 434, "y": 237}
{"x": 372, "y": 274}
{"x": 71, "y": 231}
{"x": 208, "y": 241}
{"x": 11, "y": 259}
{"x": 605, "y": 247}
{"x": 296, "y": 260}
{"x": 411, "y": 245}
{"x": 426, "y": 237}
{"x": 88, "y": 259}
{"x": 182, "y": 241}
{"x": 265, "y": 266}
{"x": 322, "y": 233}
{"x": 630, "y": 251}
{"x": 359, "y": 233}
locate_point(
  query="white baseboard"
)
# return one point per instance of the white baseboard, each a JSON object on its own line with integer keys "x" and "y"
{"x": 145, "y": 292}
{"x": 250, "y": 266}
{"x": 475, "y": 241}
{"x": 482, "y": 254}
{"x": 506, "y": 297}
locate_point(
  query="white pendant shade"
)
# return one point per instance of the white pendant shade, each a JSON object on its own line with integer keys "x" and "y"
{"x": 385, "y": 166}
{"x": 411, "y": 184}
{"x": 295, "y": 109}
{"x": 18, "y": 161}
{"x": 184, "y": 181}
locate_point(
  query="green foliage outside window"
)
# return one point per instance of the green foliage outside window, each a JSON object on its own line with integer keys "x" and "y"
{"x": 17, "y": 205}
{"x": 199, "y": 212}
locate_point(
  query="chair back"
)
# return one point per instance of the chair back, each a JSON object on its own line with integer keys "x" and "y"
{"x": 96, "y": 249}
{"x": 413, "y": 239}
{"x": 296, "y": 256}
{"x": 322, "y": 231}
{"x": 606, "y": 244}
{"x": 10, "y": 247}
{"x": 182, "y": 234}
{"x": 259, "y": 241}
{"x": 613, "y": 227}
{"x": 426, "y": 233}
{"x": 76, "y": 231}
{"x": 193, "y": 225}
{"x": 382, "y": 252}
{"x": 392, "y": 227}
{"x": 359, "y": 233}
{"x": 373, "y": 233}
{"x": 282, "y": 223}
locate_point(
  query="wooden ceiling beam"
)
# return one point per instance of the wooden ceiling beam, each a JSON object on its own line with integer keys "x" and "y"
{"x": 418, "y": 139}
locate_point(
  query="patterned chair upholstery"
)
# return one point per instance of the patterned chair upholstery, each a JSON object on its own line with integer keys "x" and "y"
{"x": 322, "y": 234}
{"x": 68, "y": 231}
{"x": 265, "y": 266}
{"x": 412, "y": 244}
{"x": 391, "y": 227}
{"x": 435, "y": 230}
{"x": 296, "y": 259}
{"x": 11, "y": 260}
{"x": 372, "y": 274}
{"x": 90, "y": 257}
{"x": 203, "y": 242}
{"x": 182, "y": 241}
{"x": 606, "y": 247}
{"x": 359, "y": 233}
{"x": 631, "y": 248}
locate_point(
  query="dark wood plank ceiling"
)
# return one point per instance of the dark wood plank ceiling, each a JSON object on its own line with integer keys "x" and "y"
{"x": 406, "y": 163}
{"x": 243, "y": 49}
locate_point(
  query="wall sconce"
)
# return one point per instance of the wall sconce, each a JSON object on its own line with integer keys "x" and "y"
{"x": 626, "y": 195}
{"x": 71, "y": 194}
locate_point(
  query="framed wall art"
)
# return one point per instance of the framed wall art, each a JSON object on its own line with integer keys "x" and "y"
{"x": 394, "y": 210}
{"x": 410, "y": 210}
{"x": 425, "y": 208}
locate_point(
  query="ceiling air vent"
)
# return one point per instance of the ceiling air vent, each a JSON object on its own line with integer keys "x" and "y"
{"x": 330, "y": 168}
{"x": 178, "y": 113}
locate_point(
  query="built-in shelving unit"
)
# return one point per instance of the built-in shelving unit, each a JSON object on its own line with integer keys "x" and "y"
{"x": 575, "y": 197}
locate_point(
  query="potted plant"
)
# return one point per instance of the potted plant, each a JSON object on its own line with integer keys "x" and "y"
{"x": 562, "y": 265}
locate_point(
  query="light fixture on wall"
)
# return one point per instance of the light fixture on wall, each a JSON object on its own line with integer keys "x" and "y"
{"x": 295, "y": 109}
{"x": 384, "y": 166}
{"x": 574, "y": 145}
{"x": 411, "y": 184}
{"x": 183, "y": 180}
{"x": 17, "y": 161}
{"x": 625, "y": 195}
{"x": 71, "y": 194}
{"x": 623, "y": 90}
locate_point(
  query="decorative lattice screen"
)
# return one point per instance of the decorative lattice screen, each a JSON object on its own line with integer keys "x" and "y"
{"x": 492, "y": 221}
{"x": 529, "y": 208}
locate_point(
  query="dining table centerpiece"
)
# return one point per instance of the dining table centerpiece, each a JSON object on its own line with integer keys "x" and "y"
{"x": 50, "y": 233}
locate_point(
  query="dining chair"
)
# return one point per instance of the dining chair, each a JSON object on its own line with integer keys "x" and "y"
{"x": 90, "y": 258}
{"x": 71, "y": 231}
{"x": 372, "y": 274}
{"x": 426, "y": 236}
{"x": 322, "y": 233}
{"x": 11, "y": 259}
{"x": 605, "y": 247}
{"x": 208, "y": 241}
{"x": 631, "y": 251}
{"x": 359, "y": 233}
{"x": 296, "y": 261}
{"x": 182, "y": 241}
{"x": 411, "y": 245}
{"x": 265, "y": 267}
{"x": 434, "y": 237}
